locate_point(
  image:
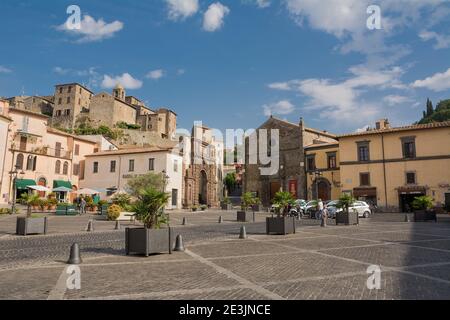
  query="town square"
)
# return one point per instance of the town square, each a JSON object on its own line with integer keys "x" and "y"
{"x": 191, "y": 150}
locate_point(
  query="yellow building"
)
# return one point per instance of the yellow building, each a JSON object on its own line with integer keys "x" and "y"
{"x": 322, "y": 171}
{"x": 391, "y": 166}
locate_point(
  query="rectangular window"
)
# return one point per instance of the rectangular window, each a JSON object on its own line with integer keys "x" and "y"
{"x": 409, "y": 147}
{"x": 175, "y": 165}
{"x": 68, "y": 100}
{"x": 364, "y": 179}
{"x": 76, "y": 169}
{"x": 131, "y": 166}
{"x": 67, "y": 112}
{"x": 58, "y": 113}
{"x": 113, "y": 166}
{"x": 77, "y": 149}
{"x": 410, "y": 178}
{"x": 332, "y": 163}
{"x": 58, "y": 148}
{"x": 60, "y": 90}
{"x": 311, "y": 163}
{"x": 69, "y": 89}
{"x": 60, "y": 101}
{"x": 151, "y": 164}
{"x": 95, "y": 167}
{"x": 363, "y": 153}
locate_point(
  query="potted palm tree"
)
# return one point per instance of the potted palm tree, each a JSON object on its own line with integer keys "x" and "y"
{"x": 282, "y": 223}
{"x": 422, "y": 209}
{"x": 345, "y": 214}
{"x": 226, "y": 204}
{"x": 247, "y": 200}
{"x": 31, "y": 224}
{"x": 152, "y": 238}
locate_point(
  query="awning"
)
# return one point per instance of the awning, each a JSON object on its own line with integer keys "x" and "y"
{"x": 412, "y": 190}
{"x": 23, "y": 184}
{"x": 39, "y": 188}
{"x": 61, "y": 183}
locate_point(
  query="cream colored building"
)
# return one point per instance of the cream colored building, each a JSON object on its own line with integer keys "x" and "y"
{"x": 323, "y": 177}
{"x": 109, "y": 171}
{"x": 392, "y": 166}
{"x": 45, "y": 156}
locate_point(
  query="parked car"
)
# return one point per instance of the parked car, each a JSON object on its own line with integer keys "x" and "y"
{"x": 361, "y": 207}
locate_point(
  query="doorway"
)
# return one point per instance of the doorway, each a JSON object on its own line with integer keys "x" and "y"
{"x": 447, "y": 202}
{"x": 174, "y": 197}
{"x": 406, "y": 201}
{"x": 203, "y": 188}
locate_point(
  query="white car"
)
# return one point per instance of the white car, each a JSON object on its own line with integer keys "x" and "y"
{"x": 361, "y": 207}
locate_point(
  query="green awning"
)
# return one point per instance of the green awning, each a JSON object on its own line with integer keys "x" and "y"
{"x": 61, "y": 183}
{"x": 23, "y": 184}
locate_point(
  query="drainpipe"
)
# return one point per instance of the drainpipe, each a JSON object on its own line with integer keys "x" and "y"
{"x": 384, "y": 171}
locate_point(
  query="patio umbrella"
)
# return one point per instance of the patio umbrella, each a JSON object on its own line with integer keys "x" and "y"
{"x": 87, "y": 191}
{"x": 62, "y": 189}
{"x": 39, "y": 188}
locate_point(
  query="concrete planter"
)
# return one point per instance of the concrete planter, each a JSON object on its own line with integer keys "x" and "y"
{"x": 348, "y": 219}
{"x": 226, "y": 206}
{"x": 244, "y": 216}
{"x": 26, "y": 226}
{"x": 422, "y": 215}
{"x": 280, "y": 225}
{"x": 145, "y": 241}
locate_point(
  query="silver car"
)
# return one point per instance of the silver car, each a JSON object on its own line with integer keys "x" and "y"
{"x": 361, "y": 207}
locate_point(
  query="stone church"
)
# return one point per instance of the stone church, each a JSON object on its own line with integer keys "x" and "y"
{"x": 291, "y": 176}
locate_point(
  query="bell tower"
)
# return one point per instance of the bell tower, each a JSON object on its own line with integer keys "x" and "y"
{"x": 119, "y": 92}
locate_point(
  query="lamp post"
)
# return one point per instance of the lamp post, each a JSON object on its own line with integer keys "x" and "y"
{"x": 317, "y": 175}
{"x": 13, "y": 175}
{"x": 165, "y": 179}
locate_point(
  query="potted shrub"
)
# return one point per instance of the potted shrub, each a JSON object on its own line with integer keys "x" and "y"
{"x": 194, "y": 208}
{"x": 226, "y": 204}
{"x": 43, "y": 204}
{"x": 52, "y": 203}
{"x": 422, "y": 209}
{"x": 31, "y": 224}
{"x": 114, "y": 212}
{"x": 282, "y": 223}
{"x": 346, "y": 215}
{"x": 247, "y": 200}
{"x": 31, "y": 201}
{"x": 152, "y": 238}
{"x": 203, "y": 207}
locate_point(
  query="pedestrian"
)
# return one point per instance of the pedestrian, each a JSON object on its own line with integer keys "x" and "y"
{"x": 324, "y": 217}
{"x": 82, "y": 206}
{"x": 320, "y": 207}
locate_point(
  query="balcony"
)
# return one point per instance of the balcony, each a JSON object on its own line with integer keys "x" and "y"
{"x": 43, "y": 150}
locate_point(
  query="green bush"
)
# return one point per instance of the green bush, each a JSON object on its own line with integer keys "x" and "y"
{"x": 422, "y": 203}
{"x": 121, "y": 199}
{"x": 114, "y": 212}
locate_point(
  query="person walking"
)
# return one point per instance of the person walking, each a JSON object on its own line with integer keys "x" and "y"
{"x": 320, "y": 207}
{"x": 82, "y": 206}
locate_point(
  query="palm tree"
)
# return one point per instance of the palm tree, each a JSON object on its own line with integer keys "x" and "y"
{"x": 345, "y": 201}
{"x": 283, "y": 200}
{"x": 149, "y": 208}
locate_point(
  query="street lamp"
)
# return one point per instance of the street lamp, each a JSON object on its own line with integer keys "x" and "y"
{"x": 317, "y": 175}
{"x": 13, "y": 175}
{"x": 165, "y": 179}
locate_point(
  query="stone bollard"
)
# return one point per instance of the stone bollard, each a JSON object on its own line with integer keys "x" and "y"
{"x": 184, "y": 221}
{"x": 90, "y": 226}
{"x": 74, "y": 257}
{"x": 220, "y": 219}
{"x": 243, "y": 233}
{"x": 179, "y": 247}
{"x": 323, "y": 223}
{"x": 118, "y": 227}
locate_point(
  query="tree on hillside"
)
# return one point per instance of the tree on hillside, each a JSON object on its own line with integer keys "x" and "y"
{"x": 430, "y": 109}
{"x": 439, "y": 114}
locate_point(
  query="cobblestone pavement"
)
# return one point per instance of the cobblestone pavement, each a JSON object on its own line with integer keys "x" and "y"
{"x": 315, "y": 263}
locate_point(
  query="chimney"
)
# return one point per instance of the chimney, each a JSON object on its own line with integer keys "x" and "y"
{"x": 382, "y": 124}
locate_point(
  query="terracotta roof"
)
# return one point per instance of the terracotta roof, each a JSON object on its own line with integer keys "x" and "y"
{"x": 433, "y": 125}
{"x": 73, "y": 84}
{"x": 62, "y": 133}
{"x": 129, "y": 151}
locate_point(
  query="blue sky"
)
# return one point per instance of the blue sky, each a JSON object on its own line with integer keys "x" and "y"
{"x": 231, "y": 63}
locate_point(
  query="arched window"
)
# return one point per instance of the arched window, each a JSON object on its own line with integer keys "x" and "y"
{"x": 58, "y": 167}
{"x": 30, "y": 163}
{"x": 19, "y": 161}
{"x": 66, "y": 168}
{"x": 34, "y": 163}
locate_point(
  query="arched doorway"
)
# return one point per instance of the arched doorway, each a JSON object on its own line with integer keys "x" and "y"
{"x": 321, "y": 189}
{"x": 203, "y": 188}
{"x": 42, "y": 182}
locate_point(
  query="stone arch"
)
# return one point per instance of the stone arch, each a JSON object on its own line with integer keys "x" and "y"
{"x": 321, "y": 189}
{"x": 203, "y": 187}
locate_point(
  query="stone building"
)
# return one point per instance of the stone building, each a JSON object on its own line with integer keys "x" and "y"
{"x": 202, "y": 168}
{"x": 35, "y": 104}
{"x": 291, "y": 174}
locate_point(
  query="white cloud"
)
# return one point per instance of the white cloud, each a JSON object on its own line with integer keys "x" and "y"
{"x": 181, "y": 9}
{"x": 92, "y": 31}
{"x": 214, "y": 16}
{"x": 363, "y": 129}
{"x": 126, "y": 80}
{"x": 282, "y": 107}
{"x": 155, "y": 74}
{"x": 180, "y": 72}
{"x": 442, "y": 41}
{"x": 343, "y": 99}
{"x": 393, "y": 99}
{"x": 263, "y": 3}
{"x": 437, "y": 82}
{"x": 5, "y": 70}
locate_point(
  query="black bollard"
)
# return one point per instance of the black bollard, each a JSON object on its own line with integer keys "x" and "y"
{"x": 90, "y": 226}
{"x": 220, "y": 219}
{"x": 184, "y": 221}
{"x": 118, "y": 227}
{"x": 75, "y": 257}
{"x": 243, "y": 233}
{"x": 179, "y": 247}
